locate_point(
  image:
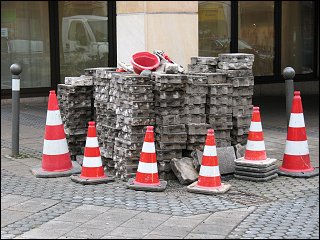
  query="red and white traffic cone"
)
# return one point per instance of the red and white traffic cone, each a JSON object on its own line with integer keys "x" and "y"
{"x": 147, "y": 174}
{"x": 209, "y": 180}
{"x": 92, "y": 169}
{"x": 255, "y": 165}
{"x": 296, "y": 159}
{"x": 56, "y": 161}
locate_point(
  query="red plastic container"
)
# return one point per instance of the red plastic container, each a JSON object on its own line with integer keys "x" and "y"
{"x": 144, "y": 61}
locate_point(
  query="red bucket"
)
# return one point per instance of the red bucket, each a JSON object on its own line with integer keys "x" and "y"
{"x": 144, "y": 61}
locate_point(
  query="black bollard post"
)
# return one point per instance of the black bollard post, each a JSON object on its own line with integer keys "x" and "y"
{"x": 288, "y": 74}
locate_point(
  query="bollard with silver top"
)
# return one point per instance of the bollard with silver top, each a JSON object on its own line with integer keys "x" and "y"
{"x": 288, "y": 74}
{"x": 15, "y": 69}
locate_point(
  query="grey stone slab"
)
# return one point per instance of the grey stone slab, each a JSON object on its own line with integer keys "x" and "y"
{"x": 112, "y": 218}
{"x": 10, "y": 200}
{"x": 182, "y": 221}
{"x": 194, "y": 188}
{"x": 174, "y": 230}
{"x": 89, "y": 181}
{"x": 255, "y": 179}
{"x": 212, "y": 229}
{"x": 10, "y": 216}
{"x": 82, "y": 214}
{"x": 184, "y": 170}
{"x": 203, "y": 236}
{"x": 146, "y": 220}
{"x": 50, "y": 230}
{"x": 34, "y": 205}
{"x": 87, "y": 233}
{"x": 257, "y": 174}
{"x": 129, "y": 232}
{"x": 153, "y": 236}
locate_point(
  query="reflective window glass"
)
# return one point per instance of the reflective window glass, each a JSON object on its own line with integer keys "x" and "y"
{"x": 83, "y": 27}
{"x": 256, "y": 34}
{"x": 297, "y": 36}
{"x": 25, "y": 40}
{"x": 214, "y": 27}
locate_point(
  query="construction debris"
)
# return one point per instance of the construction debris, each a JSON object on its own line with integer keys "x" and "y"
{"x": 184, "y": 170}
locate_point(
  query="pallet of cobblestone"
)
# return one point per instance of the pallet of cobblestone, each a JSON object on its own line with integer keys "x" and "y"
{"x": 235, "y": 61}
{"x": 235, "y": 73}
{"x": 79, "y": 81}
{"x": 242, "y": 91}
{"x": 213, "y": 61}
{"x": 167, "y": 154}
{"x": 245, "y": 81}
{"x": 213, "y": 78}
{"x": 101, "y": 72}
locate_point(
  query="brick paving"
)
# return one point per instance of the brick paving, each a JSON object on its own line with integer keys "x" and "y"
{"x": 59, "y": 208}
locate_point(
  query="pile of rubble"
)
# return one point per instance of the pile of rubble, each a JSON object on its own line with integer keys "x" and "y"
{"x": 75, "y": 101}
{"x": 215, "y": 93}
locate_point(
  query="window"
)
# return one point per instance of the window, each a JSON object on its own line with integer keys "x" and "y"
{"x": 83, "y": 28}
{"x": 214, "y": 28}
{"x": 25, "y": 40}
{"x": 297, "y": 36}
{"x": 256, "y": 34}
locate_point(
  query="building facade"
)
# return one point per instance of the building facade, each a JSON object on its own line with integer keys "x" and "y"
{"x": 55, "y": 39}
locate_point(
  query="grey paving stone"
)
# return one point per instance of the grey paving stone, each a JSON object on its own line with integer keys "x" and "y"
{"x": 34, "y": 205}
{"x": 10, "y": 216}
{"x": 129, "y": 232}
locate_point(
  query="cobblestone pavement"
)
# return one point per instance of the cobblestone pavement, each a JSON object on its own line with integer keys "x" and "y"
{"x": 59, "y": 208}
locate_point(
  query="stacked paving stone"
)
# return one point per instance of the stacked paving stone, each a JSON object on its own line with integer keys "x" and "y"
{"x": 219, "y": 112}
{"x": 75, "y": 101}
{"x": 203, "y": 65}
{"x": 238, "y": 68}
{"x": 104, "y": 114}
{"x": 133, "y": 100}
{"x": 170, "y": 130}
{"x": 195, "y": 111}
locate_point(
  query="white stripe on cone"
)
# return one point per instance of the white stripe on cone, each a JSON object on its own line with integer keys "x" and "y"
{"x": 55, "y": 147}
{"x": 92, "y": 162}
{"x": 255, "y": 145}
{"x": 147, "y": 167}
{"x": 92, "y": 142}
{"x": 210, "y": 151}
{"x": 255, "y": 127}
{"x": 296, "y": 147}
{"x": 209, "y": 171}
{"x": 296, "y": 120}
{"x": 53, "y": 118}
{"x": 148, "y": 147}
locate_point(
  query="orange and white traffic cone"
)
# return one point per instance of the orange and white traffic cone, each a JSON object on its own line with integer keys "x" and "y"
{"x": 209, "y": 180}
{"x": 147, "y": 174}
{"x": 56, "y": 161}
{"x": 296, "y": 159}
{"x": 92, "y": 169}
{"x": 255, "y": 165}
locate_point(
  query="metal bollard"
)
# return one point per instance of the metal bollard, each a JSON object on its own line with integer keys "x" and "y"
{"x": 15, "y": 69}
{"x": 288, "y": 74}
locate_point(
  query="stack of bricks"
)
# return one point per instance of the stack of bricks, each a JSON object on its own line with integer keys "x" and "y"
{"x": 134, "y": 101}
{"x": 195, "y": 111}
{"x": 238, "y": 68}
{"x": 104, "y": 115}
{"x": 203, "y": 65}
{"x": 75, "y": 102}
{"x": 219, "y": 98}
{"x": 170, "y": 131}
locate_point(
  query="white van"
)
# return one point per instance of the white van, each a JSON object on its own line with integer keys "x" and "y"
{"x": 84, "y": 37}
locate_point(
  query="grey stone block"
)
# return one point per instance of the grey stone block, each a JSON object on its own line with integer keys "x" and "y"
{"x": 204, "y": 60}
{"x": 236, "y": 57}
{"x": 171, "y": 68}
{"x": 220, "y": 89}
{"x": 256, "y": 174}
{"x": 201, "y": 68}
{"x": 254, "y": 169}
{"x": 184, "y": 170}
{"x": 235, "y": 73}
{"x": 235, "y": 65}
{"x": 239, "y": 150}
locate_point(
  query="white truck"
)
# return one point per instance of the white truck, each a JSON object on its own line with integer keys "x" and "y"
{"x": 84, "y": 38}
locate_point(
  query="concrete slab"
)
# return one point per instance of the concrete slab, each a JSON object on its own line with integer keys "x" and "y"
{"x": 34, "y": 205}
{"x": 11, "y": 200}
{"x": 11, "y": 216}
{"x": 257, "y": 174}
{"x": 254, "y": 179}
{"x": 203, "y": 236}
{"x": 261, "y": 163}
